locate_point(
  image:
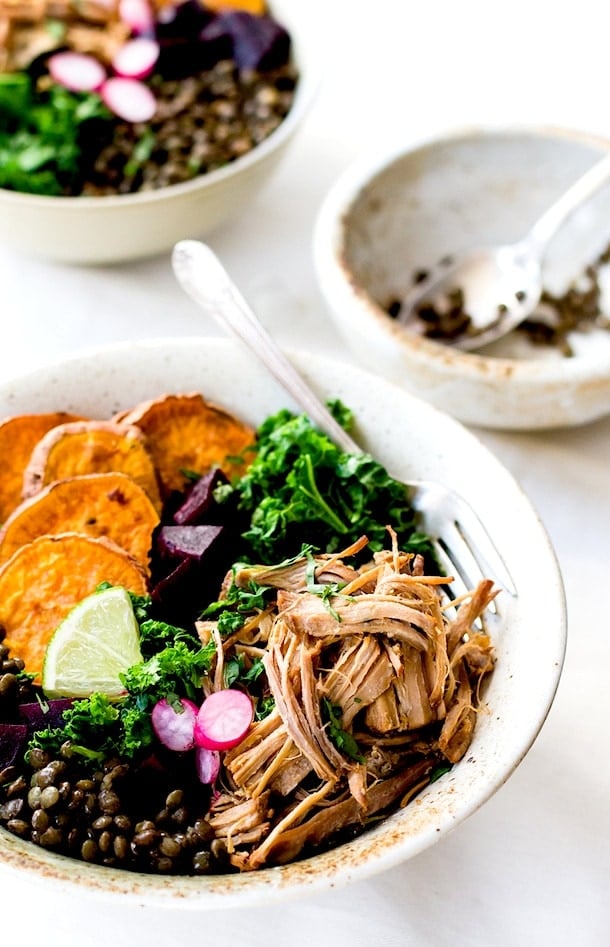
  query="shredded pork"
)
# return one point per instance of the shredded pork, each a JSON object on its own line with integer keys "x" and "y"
{"x": 374, "y": 687}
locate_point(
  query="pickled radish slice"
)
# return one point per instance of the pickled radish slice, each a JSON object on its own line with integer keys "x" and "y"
{"x": 208, "y": 764}
{"x": 130, "y": 99}
{"x": 136, "y": 58}
{"x": 138, "y": 15}
{"x": 223, "y": 719}
{"x": 77, "y": 71}
{"x": 175, "y": 728}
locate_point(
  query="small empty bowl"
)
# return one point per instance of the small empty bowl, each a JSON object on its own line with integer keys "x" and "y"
{"x": 392, "y": 216}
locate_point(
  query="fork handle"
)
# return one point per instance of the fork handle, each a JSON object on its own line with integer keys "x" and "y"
{"x": 204, "y": 278}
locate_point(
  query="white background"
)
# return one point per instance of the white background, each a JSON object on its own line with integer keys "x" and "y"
{"x": 532, "y": 867}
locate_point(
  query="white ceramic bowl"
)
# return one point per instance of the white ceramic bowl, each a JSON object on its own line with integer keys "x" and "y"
{"x": 411, "y": 437}
{"x": 131, "y": 226}
{"x": 391, "y": 215}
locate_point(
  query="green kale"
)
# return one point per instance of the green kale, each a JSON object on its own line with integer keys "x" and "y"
{"x": 231, "y": 612}
{"x": 40, "y": 134}
{"x": 97, "y": 727}
{"x": 302, "y": 489}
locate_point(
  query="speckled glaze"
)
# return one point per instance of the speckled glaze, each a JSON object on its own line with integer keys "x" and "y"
{"x": 414, "y": 440}
{"x": 391, "y": 215}
{"x": 112, "y": 229}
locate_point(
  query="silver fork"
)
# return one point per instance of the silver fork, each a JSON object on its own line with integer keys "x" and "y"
{"x": 463, "y": 546}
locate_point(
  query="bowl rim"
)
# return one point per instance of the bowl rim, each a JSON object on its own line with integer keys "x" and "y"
{"x": 337, "y": 282}
{"x": 299, "y": 878}
{"x": 306, "y": 90}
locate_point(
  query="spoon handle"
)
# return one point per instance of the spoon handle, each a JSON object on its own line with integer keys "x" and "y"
{"x": 547, "y": 225}
{"x": 203, "y": 277}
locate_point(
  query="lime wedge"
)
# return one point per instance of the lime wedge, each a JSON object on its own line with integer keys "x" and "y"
{"x": 98, "y": 640}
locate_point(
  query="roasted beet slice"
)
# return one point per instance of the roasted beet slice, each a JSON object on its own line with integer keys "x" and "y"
{"x": 13, "y": 740}
{"x": 184, "y": 50}
{"x": 199, "y": 502}
{"x": 39, "y": 716}
{"x": 187, "y": 542}
{"x": 258, "y": 42}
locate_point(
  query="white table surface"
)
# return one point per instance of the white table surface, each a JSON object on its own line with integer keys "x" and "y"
{"x": 531, "y": 867}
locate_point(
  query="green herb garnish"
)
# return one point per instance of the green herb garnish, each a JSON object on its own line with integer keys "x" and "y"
{"x": 343, "y": 740}
{"x": 40, "y": 134}
{"x": 302, "y": 489}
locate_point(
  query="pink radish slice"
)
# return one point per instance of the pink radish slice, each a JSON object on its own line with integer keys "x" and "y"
{"x": 138, "y": 15}
{"x": 175, "y": 729}
{"x": 223, "y": 719}
{"x": 208, "y": 764}
{"x": 136, "y": 58}
{"x": 77, "y": 71}
{"x": 130, "y": 99}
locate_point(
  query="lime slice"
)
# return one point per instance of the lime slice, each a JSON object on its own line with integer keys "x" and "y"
{"x": 98, "y": 640}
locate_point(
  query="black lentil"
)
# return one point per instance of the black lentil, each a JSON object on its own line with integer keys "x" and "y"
{"x": 202, "y": 123}
{"x": 556, "y": 316}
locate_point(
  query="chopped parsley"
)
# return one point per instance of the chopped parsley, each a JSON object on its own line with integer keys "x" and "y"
{"x": 303, "y": 489}
{"x": 343, "y": 740}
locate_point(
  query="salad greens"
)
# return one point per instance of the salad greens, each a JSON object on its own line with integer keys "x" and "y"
{"x": 40, "y": 135}
{"x": 303, "y": 489}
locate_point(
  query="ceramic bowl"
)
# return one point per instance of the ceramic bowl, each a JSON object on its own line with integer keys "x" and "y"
{"x": 95, "y": 230}
{"x": 391, "y": 215}
{"x": 405, "y": 434}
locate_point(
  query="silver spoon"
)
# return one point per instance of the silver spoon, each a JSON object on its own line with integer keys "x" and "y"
{"x": 500, "y": 286}
{"x": 460, "y": 539}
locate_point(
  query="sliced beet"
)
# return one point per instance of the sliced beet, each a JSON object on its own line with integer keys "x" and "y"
{"x": 187, "y": 542}
{"x": 200, "y": 499}
{"x": 179, "y": 22}
{"x": 258, "y": 42}
{"x": 39, "y": 716}
{"x": 13, "y": 740}
{"x": 182, "y": 52}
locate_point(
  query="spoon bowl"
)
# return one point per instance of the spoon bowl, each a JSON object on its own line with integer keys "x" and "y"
{"x": 476, "y": 297}
{"x": 482, "y": 295}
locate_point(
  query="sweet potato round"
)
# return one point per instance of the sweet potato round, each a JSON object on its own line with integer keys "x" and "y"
{"x": 18, "y": 438}
{"x": 43, "y": 580}
{"x": 105, "y": 504}
{"x": 70, "y": 450}
{"x": 185, "y": 433}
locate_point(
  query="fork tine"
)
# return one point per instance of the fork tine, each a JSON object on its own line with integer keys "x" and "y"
{"x": 453, "y": 522}
{"x": 476, "y": 538}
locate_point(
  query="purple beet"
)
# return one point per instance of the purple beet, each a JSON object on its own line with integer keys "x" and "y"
{"x": 187, "y": 542}
{"x": 200, "y": 500}
{"x": 258, "y": 42}
{"x": 183, "y": 52}
{"x": 39, "y": 716}
{"x": 13, "y": 739}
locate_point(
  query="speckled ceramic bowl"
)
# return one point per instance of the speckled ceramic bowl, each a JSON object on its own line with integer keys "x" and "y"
{"x": 415, "y": 440}
{"x": 96, "y": 230}
{"x": 391, "y": 215}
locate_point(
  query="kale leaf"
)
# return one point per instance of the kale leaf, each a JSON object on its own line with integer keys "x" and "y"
{"x": 40, "y": 134}
{"x": 302, "y": 489}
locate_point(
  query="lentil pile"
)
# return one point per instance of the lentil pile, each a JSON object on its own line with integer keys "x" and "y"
{"x": 578, "y": 309}
{"x": 202, "y": 123}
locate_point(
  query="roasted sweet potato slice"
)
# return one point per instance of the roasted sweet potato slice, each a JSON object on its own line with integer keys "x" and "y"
{"x": 185, "y": 433}
{"x": 105, "y": 504}
{"x": 18, "y": 438}
{"x": 70, "y": 450}
{"x": 43, "y": 580}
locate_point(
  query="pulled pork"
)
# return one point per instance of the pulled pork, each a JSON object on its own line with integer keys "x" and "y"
{"x": 374, "y": 681}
